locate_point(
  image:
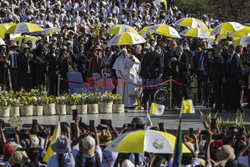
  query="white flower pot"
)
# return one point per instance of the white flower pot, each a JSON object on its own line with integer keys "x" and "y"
{"x": 4, "y": 111}
{"x": 15, "y": 111}
{"x": 82, "y": 109}
{"x": 27, "y": 110}
{"x": 105, "y": 108}
{"x": 70, "y": 108}
{"x": 92, "y": 108}
{"x": 49, "y": 109}
{"x": 118, "y": 108}
{"x": 38, "y": 110}
{"x": 61, "y": 109}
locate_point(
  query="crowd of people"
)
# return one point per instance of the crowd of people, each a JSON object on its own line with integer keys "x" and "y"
{"x": 80, "y": 145}
{"x": 80, "y": 47}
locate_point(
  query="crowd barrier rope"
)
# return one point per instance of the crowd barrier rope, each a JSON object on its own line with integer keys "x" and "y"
{"x": 209, "y": 85}
{"x": 144, "y": 86}
{"x": 171, "y": 81}
{"x": 75, "y": 82}
{"x": 149, "y": 86}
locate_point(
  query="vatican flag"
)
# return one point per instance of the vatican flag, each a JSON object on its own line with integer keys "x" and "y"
{"x": 157, "y": 109}
{"x": 50, "y": 152}
{"x": 187, "y": 107}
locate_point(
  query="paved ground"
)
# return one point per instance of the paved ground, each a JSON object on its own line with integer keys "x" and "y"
{"x": 170, "y": 119}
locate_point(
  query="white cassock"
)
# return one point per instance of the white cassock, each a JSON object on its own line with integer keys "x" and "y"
{"x": 127, "y": 69}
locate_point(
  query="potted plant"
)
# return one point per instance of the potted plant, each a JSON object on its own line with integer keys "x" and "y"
{"x": 15, "y": 103}
{"x": 38, "y": 103}
{"x": 92, "y": 101}
{"x": 4, "y": 105}
{"x": 49, "y": 105}
{"x": 81, "y": 106}
{"x": 71, "y": 103}
{"x": 15, "y": 109}
{"x": 27, "y": 105}
{"x": 105, "y": 105}
{"x": 61, "y": 105}
{"x": 117, "y": 106}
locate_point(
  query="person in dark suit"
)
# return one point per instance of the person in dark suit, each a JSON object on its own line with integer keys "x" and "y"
{"x": 201, "y": 70}
{"x": 4, "y": 65}
{"x": 14, "y": 67}
{"x": 114, "y": 56}
{"x": 167, "y": 56}
{"x": 26, "y": 62}
{"x": 65, "y": 66}
{"x": 180, "y": 71}
{"x": 52, "y": 68}
{"x": 217, "y": 75}
{"x": 150, "y": 70}
{"x": 137, "y": 51}
{"x": 247, "y": 76}
{"x": 225, "y": 88}
{"x": 82, "y": 62}
{"x": 40, "y": 66}
{"x": 235, "y": 80}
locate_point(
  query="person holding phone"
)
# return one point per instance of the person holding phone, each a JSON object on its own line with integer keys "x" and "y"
{"x": 64, "y": 157}
{"x": 86, "y": 149}
{"x": 106, "y": 137}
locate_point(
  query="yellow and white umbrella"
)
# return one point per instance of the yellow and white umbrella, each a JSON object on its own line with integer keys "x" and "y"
{"x": 165, "y": 30}
{"x": 196, "y": 32}
{"x": 4, "y": 28}
{"x": 23, "y": 28}
{"x": 51, "y": 30}
{"x": 241, "y": 33}
{"x": 127, "y": 38}
{"x": 226, "y": 28}
{"x": 244, "y": 41}
{"x": 144, "y": 32}
{"x": 247, "y": 40}
{"x": 145, "y": 141}
{"x": 121, "y": 28}
{"x": 2, "y": 41}
{"x": 220, "y": 37}
{"x": 26, "y": 38}
{"x": 47, "y": 31}
{"x": 191, "y": 22}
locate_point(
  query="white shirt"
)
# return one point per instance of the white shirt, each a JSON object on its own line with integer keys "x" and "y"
{"x": 244, "y": 160}
{"x": 109, "y": 158}
{"x": 97, "y": 150}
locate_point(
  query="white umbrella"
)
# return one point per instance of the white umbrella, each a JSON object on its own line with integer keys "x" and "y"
{"x": 127, "y": 38}
{"x": 165, "y": 30}
{"x": 226, "y": 28}
{"x": 196, "y": 32}
{"x": 2, "y": 41}
{"x": 145, "y": 141}
{"x": 247, "y": 40}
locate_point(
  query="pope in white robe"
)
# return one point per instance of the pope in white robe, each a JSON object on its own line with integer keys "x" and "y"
{"x": 127, "y": 67}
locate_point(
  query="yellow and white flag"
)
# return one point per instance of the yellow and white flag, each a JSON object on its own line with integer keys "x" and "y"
{"x": 187, "y": 107}
{"x": 50, "y": 152}
{"x": 157, "y": 109}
